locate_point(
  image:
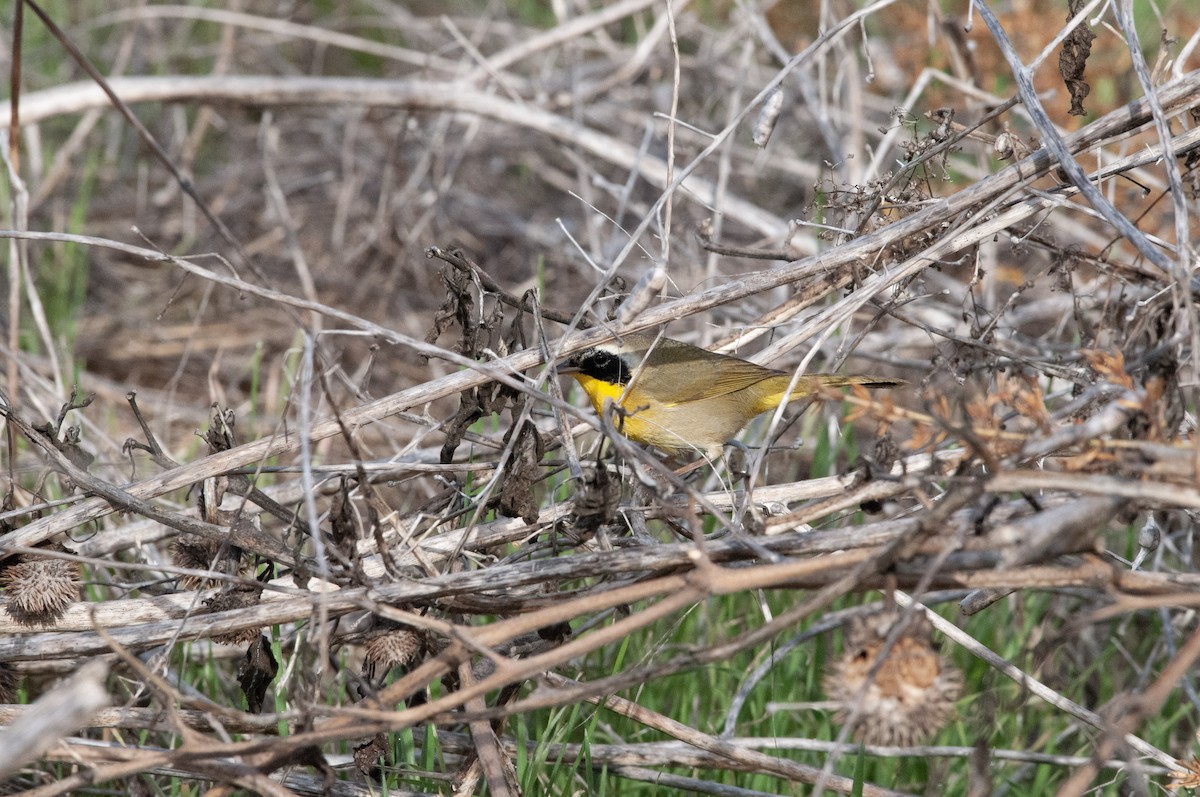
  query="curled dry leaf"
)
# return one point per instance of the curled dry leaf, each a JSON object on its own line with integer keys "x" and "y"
{"x": 516, "y": 497}
{"x": 369, "y": 754}
{"x": 256, "y": 671}
{"x": 597, "y": 495}
{"x": 1072, "y": 59}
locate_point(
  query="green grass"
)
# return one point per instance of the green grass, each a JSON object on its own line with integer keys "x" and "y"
{"x": 61, "y": 270}
{"x": 993, "y": 707}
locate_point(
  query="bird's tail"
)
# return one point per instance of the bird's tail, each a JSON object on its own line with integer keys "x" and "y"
{"x": 837, "y": 380}
{"x": 810, "y": 383}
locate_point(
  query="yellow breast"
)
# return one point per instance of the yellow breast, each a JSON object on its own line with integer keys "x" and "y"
{"x": 639, "y": 424}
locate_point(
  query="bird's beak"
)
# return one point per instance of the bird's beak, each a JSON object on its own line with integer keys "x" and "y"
{"x": 567, "y": 366}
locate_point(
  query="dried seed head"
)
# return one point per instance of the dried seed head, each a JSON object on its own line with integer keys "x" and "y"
{"x": 911, "y": 696}
{"x": 193, "y": 552}
{"x": 9, "y": 681}
{"x": 391, "y": 647}
{"x": 39, "y": 590}
{"x": 236, "y": 598}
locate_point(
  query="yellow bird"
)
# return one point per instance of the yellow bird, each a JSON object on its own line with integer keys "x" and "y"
{"x": 680, "y": 398}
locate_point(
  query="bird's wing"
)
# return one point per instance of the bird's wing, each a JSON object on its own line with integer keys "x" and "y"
{"x": 704, "y": 381}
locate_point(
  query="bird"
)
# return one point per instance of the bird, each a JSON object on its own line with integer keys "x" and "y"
{"x": 682, "y": 399}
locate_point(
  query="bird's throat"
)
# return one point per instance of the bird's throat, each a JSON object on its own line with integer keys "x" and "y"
{"x": 598, "y": 391}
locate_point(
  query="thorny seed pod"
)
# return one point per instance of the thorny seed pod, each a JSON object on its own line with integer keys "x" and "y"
{"x": 193, "y": 552}
{"x": 911, "y": 696}
{"x": 9, "y": 681}
{"x": 40, "y": 589}
{"x": 237, "y": 597}
{"x": 391, "y": 647}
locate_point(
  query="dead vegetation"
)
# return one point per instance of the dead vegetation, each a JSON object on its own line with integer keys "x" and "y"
{"x": 285, "y": 457}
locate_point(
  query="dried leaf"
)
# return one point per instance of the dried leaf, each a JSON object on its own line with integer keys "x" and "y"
{"x": 256, "y": 671}
{"x": 1109, "y": 366}
{"x": 982, "y": 415}
{"x": 343, "y": 523}
{"x": 367, "y": 756}
{"x": 470, "y": 409}
{"x": 219, "y": 435}
{"x": 1073, "y": 58}
{"x": 460, "y": 305}
{"x": 596, "y": 497}
{"x": 73, "y": 451}
{"x": 516, "y": 497}
{"x": 1030, "y": 401}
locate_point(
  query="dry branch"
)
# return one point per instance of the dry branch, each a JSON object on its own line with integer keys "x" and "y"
{"x": 1045, "y": 340}
{"x": 60, "y": 713}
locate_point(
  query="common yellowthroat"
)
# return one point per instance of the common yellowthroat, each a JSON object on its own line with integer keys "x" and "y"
{"x": 680, "y": 398}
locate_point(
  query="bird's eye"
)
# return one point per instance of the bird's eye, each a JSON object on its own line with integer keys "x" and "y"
{"x": 605, "y": 366}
